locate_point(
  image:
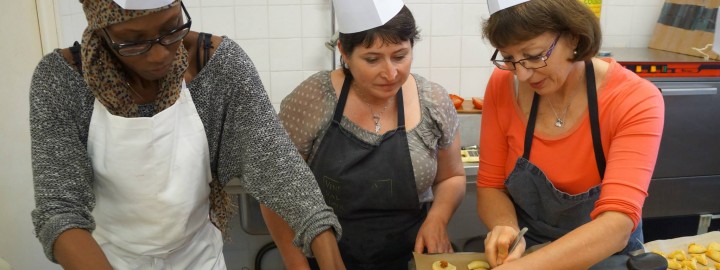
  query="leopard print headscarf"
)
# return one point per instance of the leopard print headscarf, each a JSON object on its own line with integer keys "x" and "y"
{"x": 104, "y": 74}
{"x": 106, "y": 78}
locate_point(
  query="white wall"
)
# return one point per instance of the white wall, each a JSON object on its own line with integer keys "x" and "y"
{"x": 285, "y": 37}
{"x": 20, "y": 51}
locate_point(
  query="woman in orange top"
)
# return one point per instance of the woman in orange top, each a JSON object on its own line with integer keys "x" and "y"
{"x": 568, "y": 141}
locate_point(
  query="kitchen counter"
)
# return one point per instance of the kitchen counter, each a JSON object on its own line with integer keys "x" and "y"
{"x": 650, "y": 55}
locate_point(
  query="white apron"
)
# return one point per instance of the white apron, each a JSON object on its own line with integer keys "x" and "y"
{"x": 152, "y": 178}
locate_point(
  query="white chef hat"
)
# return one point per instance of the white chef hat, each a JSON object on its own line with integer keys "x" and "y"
{"x": 359, "y": 15}
{"x": 497, "y": 5}
{"x": 142, "y": 4}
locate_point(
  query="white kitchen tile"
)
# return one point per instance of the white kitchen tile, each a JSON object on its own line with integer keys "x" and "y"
{"x": 645, "y": 18}
{"x": 446, "y": 19}
{"x": 68, "y": 33}
{"x": 197, "y": 21}
{"x": 315, "y": 2}
{"x": 217, "y": 3}
{"x": 265, "y": 78}
{"x": 315, "y": 55}
{"x": 79, "y": 25}
{"x": 285, "y": 21}
{"x": 191, "y": 3}
{"x": 308, "y": 73}
{"x": 284, "y": 82}
{"x": 251, "y": 22}
{"x": 473, "y": 81}
{"x": 285, "y": 54}
{"x": 475, "y": 52}
{"x": 447, "y": 1}
{"x": 475, "y": 2}
{"x": 421, "y": 54}
{"x": 258, "y": 51}
{"x": 618, "y": 3}
{"x": 64, "y": 7}
{"x": 615, "y": 41}
{"x": 447, "y": 77}
{"x": 423, "y": 18}
{"x": 445, "y": 51}
{"x": 250, "y": 2}
{"x": 316, "y": 21}
{"x": 472, "y": 19}
{"x": 658, "y": 3}
{"x": 424, "y": 72}
{"x": 639, "y": 41}
{"x": 219, "y": 20}
{"x": 417, "y": 2}
{"x": 73, "y": 26}
{"x": 284, "y": 2}
{"x": 617, "y": 23}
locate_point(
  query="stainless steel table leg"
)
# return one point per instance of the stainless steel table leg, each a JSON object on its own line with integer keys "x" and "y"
{"x": 704, "y": 223}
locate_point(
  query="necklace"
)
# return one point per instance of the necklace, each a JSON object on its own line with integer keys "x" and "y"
{"x": 560, "y": 120}
{"x": 142, "y": 99}
{"x": 375, "y": 116}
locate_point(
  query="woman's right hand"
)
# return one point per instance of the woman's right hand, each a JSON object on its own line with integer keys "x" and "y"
{"x": 498, "y": 242}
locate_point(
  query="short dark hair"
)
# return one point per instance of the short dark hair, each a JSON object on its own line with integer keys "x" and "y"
{"x": 530, "y": 19}
{"x": 399, "y": 29}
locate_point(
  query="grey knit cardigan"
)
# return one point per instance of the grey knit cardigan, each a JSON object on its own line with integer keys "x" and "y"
{"x": 244, "y": 135}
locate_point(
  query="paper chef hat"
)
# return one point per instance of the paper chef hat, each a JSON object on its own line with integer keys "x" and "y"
{"x": 142, "y": 4}
{"x": 497, "y": 5}
{"x": 359, "y": 15}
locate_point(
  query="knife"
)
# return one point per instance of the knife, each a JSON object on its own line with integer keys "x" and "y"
{"x": 517, "y": 239}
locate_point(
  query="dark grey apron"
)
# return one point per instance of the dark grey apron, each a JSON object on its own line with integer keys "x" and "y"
{"x": 550, "y": 213}
{"x": 371, "y": 188}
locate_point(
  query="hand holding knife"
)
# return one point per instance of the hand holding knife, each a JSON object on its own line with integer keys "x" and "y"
{"x": 517, "y": 239}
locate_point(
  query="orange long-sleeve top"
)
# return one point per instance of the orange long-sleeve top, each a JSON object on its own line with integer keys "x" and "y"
{"x": 631, "y": 112}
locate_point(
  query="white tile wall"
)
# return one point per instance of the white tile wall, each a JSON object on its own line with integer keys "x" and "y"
{"x": 285, "y": 37}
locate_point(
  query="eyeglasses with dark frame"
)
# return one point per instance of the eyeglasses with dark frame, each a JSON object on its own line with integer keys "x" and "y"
{"x": 138, "y": 48}
{"x": 534, "y": 62}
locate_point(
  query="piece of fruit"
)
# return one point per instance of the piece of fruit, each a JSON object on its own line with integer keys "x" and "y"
{"x": 477, "y": 103}
{"x": 457, "y": 101}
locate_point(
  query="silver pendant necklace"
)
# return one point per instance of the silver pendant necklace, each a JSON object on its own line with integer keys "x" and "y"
{"x": 375, "y": 116}
{"x": 560, "y": 119}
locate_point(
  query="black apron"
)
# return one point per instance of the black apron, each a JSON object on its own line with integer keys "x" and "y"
{"x": 549, "y": 213}
{"x": 371, "y": 188}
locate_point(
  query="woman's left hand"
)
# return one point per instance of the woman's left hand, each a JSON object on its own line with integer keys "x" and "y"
{"x": 433, "y": 236}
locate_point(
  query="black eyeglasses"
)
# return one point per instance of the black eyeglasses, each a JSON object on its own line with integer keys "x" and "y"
{"x": 528, "y": 63}
{"x": 138, "y": 48}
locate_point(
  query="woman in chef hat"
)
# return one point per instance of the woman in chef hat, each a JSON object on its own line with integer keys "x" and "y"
{"x": 383, "y": 143}
{"x": 136, "y": 131}
{"x": 568, "y": 141}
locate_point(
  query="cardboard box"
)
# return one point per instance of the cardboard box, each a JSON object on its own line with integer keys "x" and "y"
{"x": 687, "y": 27}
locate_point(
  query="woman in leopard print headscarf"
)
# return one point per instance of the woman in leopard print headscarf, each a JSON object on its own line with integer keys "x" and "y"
{"x": 137, "y": 149}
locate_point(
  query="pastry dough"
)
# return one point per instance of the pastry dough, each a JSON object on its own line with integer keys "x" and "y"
{"x": 713, "y": 254}
{"x": 443, "y": 265}
{"x": 478, "y": 265}
{"x": 696, "y": 249}
{"x": 714, "y": 246}
{"x": 701, "y": 258}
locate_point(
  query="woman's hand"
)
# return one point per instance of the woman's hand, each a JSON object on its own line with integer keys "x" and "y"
{"x": 497, "y": 245}
{"x": 433, "y": 236}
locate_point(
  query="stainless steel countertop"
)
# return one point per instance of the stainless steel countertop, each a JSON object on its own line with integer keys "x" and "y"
{"x": 234, "y": 186}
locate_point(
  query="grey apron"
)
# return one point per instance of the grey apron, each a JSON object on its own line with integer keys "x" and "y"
{"x": 550, "y": 213}
{"x": 371, "y": 188}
